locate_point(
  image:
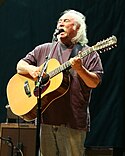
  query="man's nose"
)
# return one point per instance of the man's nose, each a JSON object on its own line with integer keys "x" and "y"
{"x": 61, "y": 23}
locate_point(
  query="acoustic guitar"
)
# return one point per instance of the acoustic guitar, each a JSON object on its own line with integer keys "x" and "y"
{"x": 22, "y": 92}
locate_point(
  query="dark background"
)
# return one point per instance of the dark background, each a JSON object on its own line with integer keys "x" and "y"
{"x": 25, "y": 24}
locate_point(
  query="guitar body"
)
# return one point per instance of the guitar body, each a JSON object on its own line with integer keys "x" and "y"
{"x": 25, "y": 106}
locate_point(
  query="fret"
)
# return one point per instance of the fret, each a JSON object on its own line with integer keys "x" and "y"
{"x": 59, "y": 69}
{"x": 85, "y": 53}
{"x": 67, "y": 64}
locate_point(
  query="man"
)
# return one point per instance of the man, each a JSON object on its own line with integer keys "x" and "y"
{"x": 66, "y": 120}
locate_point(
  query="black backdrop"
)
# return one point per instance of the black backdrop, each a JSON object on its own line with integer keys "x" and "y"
{"x": 27, "y": 23}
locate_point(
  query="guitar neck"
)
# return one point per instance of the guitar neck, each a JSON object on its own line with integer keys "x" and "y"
{"x": 67, "y": 64}
{"x": 104, "y": 45}
{"x": 61, "y": 68}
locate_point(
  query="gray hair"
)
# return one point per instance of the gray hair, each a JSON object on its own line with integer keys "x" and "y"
{"x": 81, "y": 36}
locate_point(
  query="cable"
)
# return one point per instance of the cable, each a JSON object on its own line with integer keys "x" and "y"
{"x": 9, "y": 143}
{"x": 18, "y": 150}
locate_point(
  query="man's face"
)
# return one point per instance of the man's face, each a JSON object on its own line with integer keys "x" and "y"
{"x": 68, "y": 24}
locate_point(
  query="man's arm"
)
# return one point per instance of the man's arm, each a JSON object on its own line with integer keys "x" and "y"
{"x": 91, "y": 79}
{"x": 24, "y": 68}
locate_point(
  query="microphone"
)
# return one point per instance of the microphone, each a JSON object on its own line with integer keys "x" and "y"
{"x": 57, "y": 32}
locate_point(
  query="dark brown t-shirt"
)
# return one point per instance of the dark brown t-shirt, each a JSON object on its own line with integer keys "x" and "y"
{"x": 71, "y": 109}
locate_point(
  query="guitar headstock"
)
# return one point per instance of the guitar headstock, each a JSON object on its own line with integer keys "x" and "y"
{"x": 105, "y": 45}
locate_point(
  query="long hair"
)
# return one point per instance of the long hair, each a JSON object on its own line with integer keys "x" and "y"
{"x": 81, "y": 36}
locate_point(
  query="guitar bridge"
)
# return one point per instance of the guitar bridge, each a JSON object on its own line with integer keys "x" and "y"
{"x": 27, "y": 89}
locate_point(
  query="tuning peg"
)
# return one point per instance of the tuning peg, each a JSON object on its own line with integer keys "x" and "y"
{"x": 109, "y": 48}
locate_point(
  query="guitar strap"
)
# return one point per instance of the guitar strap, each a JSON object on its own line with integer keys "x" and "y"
{"x": 78, "y": 47}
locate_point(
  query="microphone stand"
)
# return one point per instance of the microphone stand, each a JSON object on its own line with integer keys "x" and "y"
{"x": 39, "y": 100}
{"x": 39, "y": 107}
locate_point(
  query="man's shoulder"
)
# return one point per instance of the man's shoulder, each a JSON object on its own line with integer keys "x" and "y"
{"x": 47, "y": 44}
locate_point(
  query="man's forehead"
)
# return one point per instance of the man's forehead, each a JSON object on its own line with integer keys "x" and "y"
{"x": 67, "y": 16}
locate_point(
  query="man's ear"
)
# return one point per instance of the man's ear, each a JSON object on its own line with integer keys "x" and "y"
{"x": 76, "y": 26}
